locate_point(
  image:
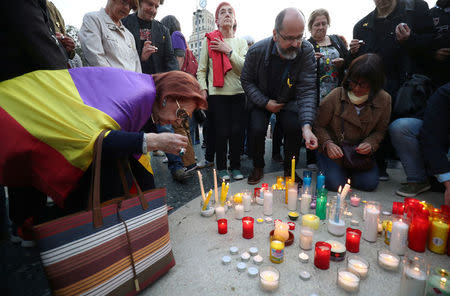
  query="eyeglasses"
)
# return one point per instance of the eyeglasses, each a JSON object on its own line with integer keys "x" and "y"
{"x": 181, "y": 112}
{"x": 360, "y": 84}
{"x": 291, "y": 38}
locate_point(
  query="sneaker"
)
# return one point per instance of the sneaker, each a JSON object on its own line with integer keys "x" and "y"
{"x": 180, "y": 175}
{"x": 165, "y": 160}
{"x": 204, "y": 163}
{"x": 312, "y": 167}
{"x": 383, "y": 176}
{"x": 413, "y": 189}
{"x": 277, "y": 157}
{"x": 256, "y": 176}
{"x": 158, "y": 153}
{"x": 237, "y": 175}
{"x": 223, "y": 175}
{"x": 191, "y": 168}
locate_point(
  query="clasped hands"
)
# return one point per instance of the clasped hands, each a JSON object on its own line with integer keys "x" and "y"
{"x": 335, "y": 152}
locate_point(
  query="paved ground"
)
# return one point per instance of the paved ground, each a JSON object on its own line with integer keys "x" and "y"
{"x": 21, "y": 272}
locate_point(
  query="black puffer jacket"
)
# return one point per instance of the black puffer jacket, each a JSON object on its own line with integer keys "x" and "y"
{"x": 254, "y": 79}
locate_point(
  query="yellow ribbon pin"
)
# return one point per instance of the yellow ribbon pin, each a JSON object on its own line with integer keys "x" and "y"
{"x": 289, "y": 83}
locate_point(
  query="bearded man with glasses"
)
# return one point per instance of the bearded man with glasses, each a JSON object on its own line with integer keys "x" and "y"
{"x": 279, "y": 76}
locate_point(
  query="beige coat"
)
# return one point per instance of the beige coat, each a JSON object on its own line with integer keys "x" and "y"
{"x": 369, "y": 126}
{"x": 105, "y": 44}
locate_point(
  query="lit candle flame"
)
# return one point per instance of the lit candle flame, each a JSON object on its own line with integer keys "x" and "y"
{"x": 340, "y": 189}
{"x": 348, "y": 181}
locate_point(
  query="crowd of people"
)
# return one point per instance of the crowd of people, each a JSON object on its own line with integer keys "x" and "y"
{"x": 335, "y": 98}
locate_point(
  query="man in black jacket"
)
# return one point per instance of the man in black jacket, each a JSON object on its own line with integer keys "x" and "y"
{"x": 152, "y": 38}
{"x": 279, "y": 76}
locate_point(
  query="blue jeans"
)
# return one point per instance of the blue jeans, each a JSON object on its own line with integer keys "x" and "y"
{"x": 174, "y": 161}
{"x": 336, "y": 175}
{"x": 404, "y": 134}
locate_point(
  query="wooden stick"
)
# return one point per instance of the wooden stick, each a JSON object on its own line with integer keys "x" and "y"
{"x": 201, "y": 186}
{"x": 216, "y": 190}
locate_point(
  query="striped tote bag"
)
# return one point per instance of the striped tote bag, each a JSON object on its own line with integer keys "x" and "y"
{"x": 116, "y": 248}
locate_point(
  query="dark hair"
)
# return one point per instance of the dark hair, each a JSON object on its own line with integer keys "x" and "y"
{"x": 179, "y": 85}
{"x": 368, "y": 67}
{"x": 280, "y": 17}
{"x": 171, "y": 23}
{"x": 315, "y": 14}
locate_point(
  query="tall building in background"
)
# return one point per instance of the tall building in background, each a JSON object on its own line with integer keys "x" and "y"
{"x": 202, "y": 22}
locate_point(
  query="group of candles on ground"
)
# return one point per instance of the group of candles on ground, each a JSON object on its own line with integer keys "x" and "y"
{"x": 412, "y": 224}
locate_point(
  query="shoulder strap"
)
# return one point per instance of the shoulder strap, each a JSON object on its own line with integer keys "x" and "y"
{"x": 342, "y": 119}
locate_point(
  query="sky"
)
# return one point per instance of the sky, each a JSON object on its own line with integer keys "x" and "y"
{"x": 254, "y": 17}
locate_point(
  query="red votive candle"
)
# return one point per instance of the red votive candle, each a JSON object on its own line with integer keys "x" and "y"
{"x": 265, "y": 186}
{"x": 222, "y": 226}
{"x": 418, "y": 232}
{"x": 322, "y": 255}
{"x": 256, "y": 192}
{"x": 247, "y": 227}
{"x": 291, "y": 225}
{"x": 411, "y": 204}
{"x": 352, "y": 240}
{"x": 398, "y": 208}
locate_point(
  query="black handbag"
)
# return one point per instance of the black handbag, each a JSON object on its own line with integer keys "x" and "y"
{"x": 352, "y": 159}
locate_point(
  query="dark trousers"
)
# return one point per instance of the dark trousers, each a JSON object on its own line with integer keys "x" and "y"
{"x": 292, "y": 135}
{"x": 24, "y": 203}
{"x": 277, "y": 137}
{"x": 208, "y": 134}
{"x": 228, "y": 117}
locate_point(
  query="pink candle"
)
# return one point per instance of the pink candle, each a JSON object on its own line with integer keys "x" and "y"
{"x": 354, "y": 200}
{"x": 222, "y": 226}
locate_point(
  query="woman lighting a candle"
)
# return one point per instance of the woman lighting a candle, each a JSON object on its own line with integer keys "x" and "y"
{"x": 351, "y": 123}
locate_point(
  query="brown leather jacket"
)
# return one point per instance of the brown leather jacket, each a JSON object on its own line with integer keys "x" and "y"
{"x": 370, "y": 126}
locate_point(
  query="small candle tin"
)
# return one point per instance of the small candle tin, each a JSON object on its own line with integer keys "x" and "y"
{"x": 241, "y": 266}
{"x": 268, "y": 220}
{"x": 234, "y": 250}
{"x": 226, "y": 260}
{"x": 253, "y": 251}
{"x": 258, "y": 259}
{"x": 252, "y": 271}
{"x": 303, "y": 257}
{"x": 245, "y": 257}
{"x": 259, "y": 220}
{"x": 354, "y": 222}
{"x": 304, "y": 275}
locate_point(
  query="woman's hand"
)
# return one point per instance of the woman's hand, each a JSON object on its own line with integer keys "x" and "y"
{"x": 147, "y": 50}
{"x": 364, "y": 148}
{"x": 318, "y": 55}
{"x": 338, "y": 62}
{"x": 310, "y": 139}
{"x": 167, "y": 142}
{"x": 219, "y": 45}
{"x": 334, "y": 151}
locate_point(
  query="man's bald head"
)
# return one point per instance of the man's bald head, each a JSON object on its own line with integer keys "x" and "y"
{"x": 288, "y": 16}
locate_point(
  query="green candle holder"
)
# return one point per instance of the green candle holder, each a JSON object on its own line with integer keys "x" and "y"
{"x": 321, "y": 204}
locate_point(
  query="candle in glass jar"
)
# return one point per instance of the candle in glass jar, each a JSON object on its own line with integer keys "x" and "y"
{"x": 370, "y": 231}
{"x": 269, "y": 278}
{"x": 438, "y": 283}
{"x": 306, "y": 237}
{"x": 352, "y": 240}
{"x": 347, "y": 280}
{"x": 321, "y": 207}
{"x": 222, "y": 226}
{"x": 246, "y": 200}
{"x": 247, "y": 227}
{"x": 311, "y": 221}
{"x": 398, "y": 208}
{"x": 358, "y": 266}
{"x": 399, "y": 236}
{"x": 268, "y": 202}
{"x": 322, "y": 255}
{"x": 305, "y": 203}
{"x": 220, "y": 213}
{"x": 355, "y": 199}
{"x": 292, "y": 189}
{"x": 238, "y": 211}
{"x": 388, "y": 261}
{"x": 438, "y": 236}
{"x": 413, "y": 282}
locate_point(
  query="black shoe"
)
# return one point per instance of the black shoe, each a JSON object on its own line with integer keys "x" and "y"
{"x": 298, "y": 180}
{"x": 256, "y": 176}
{"x": 277, "y": 157}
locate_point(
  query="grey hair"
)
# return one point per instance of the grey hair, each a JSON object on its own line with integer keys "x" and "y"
{"x": 280, "y": 17}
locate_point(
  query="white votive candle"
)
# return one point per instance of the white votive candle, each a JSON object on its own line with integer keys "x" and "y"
{"x": 306, "y": 237}
{"x": 348, "y": 281}
{"x": 253, "y": 251}
{"x": 246, "y": 201}
{"x": 258, "y": 259}
{"x": 399, "y": 237}
{"x": 220, "y": 213}
{"x": 303, "y": 257}
{"x": 268, "y": 203}
{"x": 359, "y": 267}
{"x": 245, "y": 256}
{"x": 238, "y": 211}
{"x": 305, "y": 203}
{"x": 388, "y": 261}
{"x": 269, "y": 280}
{"x": 370, "y": 231}
{"x": 413, "y": 282}
{"x": 292, "y": 198}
